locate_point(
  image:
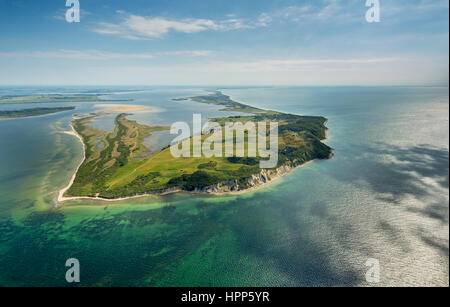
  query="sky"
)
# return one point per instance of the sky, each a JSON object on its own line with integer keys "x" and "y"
{"x": 224, "y": 42}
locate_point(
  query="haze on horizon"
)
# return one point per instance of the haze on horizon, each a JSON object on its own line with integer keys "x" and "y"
{"x": 232, "y": 42}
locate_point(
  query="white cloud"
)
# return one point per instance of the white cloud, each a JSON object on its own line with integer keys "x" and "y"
{"x": 326, "y": 10}
{"x": 156, "y": 27}
{"x": 330, "y": 10}
{"x": 137, "y": 27}
{"x": 272, "y": 66}
{"x": 199, "y": 53}
{"x": 331, "y": 71}
{"x": 293, "y": 11}
{"x": 302, "y": 64}
{"x": 264, "y": 20}
{"x": 100, "y": 55}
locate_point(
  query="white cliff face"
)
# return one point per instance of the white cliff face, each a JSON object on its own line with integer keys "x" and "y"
{"x": 267, "y": 175}
{"x": 222, "y": 187}
{"x": 263, "y": 177}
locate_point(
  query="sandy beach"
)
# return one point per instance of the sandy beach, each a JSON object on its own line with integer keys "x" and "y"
{"x": 122, "y": 108}
{"x": 61, "y": 197}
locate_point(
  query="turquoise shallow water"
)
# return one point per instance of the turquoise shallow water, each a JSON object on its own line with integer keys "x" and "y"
{"x": 384, "y": 195}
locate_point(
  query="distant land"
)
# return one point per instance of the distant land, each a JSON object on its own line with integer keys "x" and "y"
{"x": 11, "y": 99}
{"x": 32, "y": 112}
{"x": 122, "y": 167}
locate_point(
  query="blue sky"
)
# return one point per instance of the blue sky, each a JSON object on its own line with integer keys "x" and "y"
{"x": 224, "y": 42}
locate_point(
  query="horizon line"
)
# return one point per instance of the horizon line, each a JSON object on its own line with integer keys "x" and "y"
{"x": 223, "y": 85}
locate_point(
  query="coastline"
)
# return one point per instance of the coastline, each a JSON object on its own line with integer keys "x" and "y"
{"x": 259, "y": 180}
{"x": 254, "y": 188}
{"x": 32, "y": 116}
{"x": 61, "y": 197}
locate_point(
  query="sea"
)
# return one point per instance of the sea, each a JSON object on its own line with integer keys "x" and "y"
{"x": 382, "y": 200}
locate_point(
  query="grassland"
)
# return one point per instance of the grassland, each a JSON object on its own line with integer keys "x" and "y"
{"x": 32, "y": 112}
{"x": 123, "y": 167}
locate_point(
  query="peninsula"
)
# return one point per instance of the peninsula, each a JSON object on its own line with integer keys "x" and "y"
{"x": 123, "y": 167}
{"x": 53, "y": 98}
{"x": 32, "y": 112}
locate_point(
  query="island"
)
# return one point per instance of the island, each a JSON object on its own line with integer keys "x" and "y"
{"x": 116, "y": 165}
{"x": 32, "y": 112}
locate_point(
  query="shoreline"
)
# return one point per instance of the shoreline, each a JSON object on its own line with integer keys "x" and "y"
{"x": 61, "y": 198}
{"x": 33, "y": 116}
{"x": 178, "y": 190}
{"x": 61, "y": 192}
